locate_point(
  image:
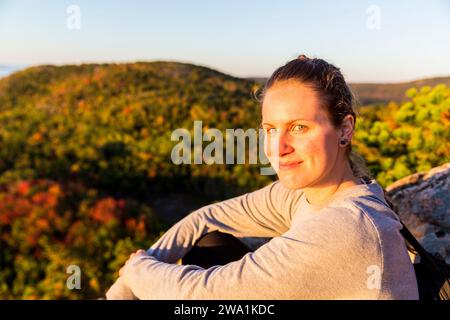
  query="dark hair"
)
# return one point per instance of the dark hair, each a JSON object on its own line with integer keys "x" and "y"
{"x": 335, "y": 95}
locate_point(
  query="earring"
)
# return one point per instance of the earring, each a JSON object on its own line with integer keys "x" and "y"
{"x": 343, "y": 142}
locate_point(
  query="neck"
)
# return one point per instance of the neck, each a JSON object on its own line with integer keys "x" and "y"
{"x": 321, "y": 192}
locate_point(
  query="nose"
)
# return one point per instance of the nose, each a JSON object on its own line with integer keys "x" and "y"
{"x": 280, "y": 146}
{"x": 285, "y": 146}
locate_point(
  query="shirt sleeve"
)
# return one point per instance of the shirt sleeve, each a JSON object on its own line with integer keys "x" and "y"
{"x": 266, "y": 212}
{"x": 120, "y": 291}
{"x": 322, "y": 258}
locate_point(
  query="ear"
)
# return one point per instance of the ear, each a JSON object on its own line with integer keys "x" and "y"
{"x": 347, "y": 127}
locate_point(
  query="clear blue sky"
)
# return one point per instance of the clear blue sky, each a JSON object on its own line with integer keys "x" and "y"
{"x": 239, "y": 37}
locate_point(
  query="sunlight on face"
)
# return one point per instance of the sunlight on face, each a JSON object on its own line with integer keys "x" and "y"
{"x": 300, "y": 141}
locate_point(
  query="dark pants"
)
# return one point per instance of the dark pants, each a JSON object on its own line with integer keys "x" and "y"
{"x": 215, "y": 248}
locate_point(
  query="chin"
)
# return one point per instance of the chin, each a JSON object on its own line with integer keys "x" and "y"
{"x": 291, "y": 182}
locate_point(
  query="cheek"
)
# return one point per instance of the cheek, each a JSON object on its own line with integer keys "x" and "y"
{"x": 315, "y": 148}
{"x": 319, "y": 149}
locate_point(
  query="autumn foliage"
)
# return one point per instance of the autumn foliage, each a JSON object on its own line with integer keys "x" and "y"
{"x": 45, "y": 228}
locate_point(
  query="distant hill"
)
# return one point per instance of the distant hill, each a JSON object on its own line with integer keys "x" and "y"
{"x": 143, "y": 79}
{"x": 366, "y": 93}
{"x": 370, "y": 93}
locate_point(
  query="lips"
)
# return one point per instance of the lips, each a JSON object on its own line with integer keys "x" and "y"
{"x": 289, "y": 165}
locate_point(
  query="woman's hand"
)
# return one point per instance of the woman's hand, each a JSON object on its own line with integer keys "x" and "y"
{"x": 140, "y": 252}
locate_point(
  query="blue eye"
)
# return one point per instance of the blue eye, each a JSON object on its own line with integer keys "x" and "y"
{"x": 298, "y": 128}
{"x": 271, "y": 130}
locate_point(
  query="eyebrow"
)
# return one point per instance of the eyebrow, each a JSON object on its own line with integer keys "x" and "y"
{"x": 289, "y": 122}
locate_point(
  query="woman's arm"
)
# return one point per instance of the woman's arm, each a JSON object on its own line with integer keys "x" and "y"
{"x": 266, "y": 212}
{"x": 321, "y": 258}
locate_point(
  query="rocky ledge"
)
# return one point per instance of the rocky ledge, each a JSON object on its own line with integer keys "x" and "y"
{"x": 422, "y": 201}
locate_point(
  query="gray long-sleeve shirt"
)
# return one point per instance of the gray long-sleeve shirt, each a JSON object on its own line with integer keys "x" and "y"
{"x": 349, "y": 249}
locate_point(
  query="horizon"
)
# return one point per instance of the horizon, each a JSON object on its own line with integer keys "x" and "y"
{"x": 6, "y": 70}
{"x": 381, "y": 42}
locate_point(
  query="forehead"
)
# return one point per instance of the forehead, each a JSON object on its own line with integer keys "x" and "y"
{"x": 289, "y": 100}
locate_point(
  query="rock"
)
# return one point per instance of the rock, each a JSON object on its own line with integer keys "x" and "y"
{"x": 422, "y": 201}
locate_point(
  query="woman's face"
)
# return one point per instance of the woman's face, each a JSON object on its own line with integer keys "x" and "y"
{"x": 300, "y": 141}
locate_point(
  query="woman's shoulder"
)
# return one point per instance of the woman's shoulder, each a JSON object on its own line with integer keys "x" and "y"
{"x": 369, "y": 199}
{"x": 360, "y": 207}
{"x": 364, "y": 208}
{"x": 360, "y": 210}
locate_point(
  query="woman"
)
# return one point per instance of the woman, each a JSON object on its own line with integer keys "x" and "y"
{"x": 333, "y": 236}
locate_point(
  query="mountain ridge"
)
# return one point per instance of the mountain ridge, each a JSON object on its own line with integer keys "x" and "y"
{"x": 365, "y": 92}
